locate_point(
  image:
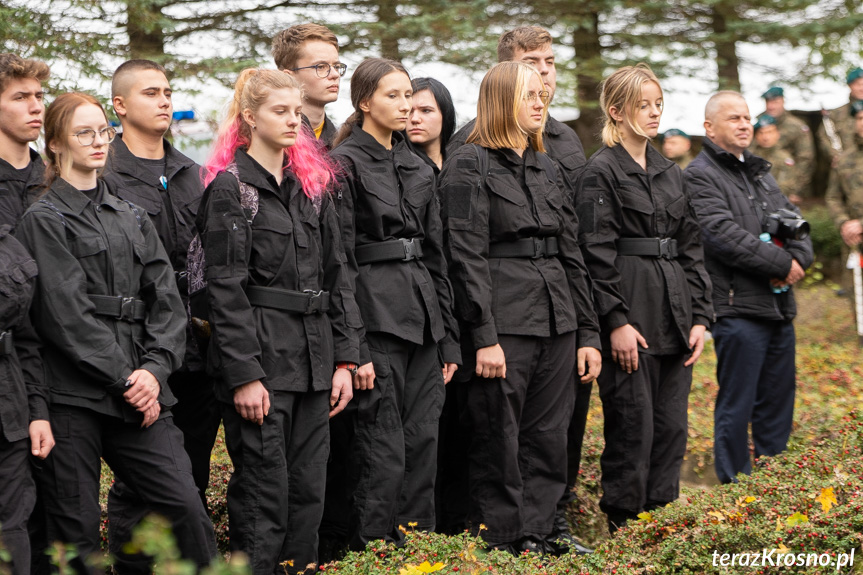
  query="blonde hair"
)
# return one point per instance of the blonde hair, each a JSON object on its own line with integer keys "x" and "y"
{"x": 501, "y": 94}
{"x": 622, "y": 91}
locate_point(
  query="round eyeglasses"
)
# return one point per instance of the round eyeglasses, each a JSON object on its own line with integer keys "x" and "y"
{"x": 322, "y": 70}
{"x": 543, "y": 96}
{"x": 88, "y": 136}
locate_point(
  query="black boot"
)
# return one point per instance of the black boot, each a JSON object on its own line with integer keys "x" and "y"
{"x": 561, "y": 541}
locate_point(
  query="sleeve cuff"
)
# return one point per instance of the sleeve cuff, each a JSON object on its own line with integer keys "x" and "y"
{"x": 118, "y": 388}
{"x": 614, "y": 319}
{"x": 450, "y": 352}
{"x": 588, "y": 338}
{"x": 38, "y": 408}
{"x": 484, "y": 335}
{"x": 241, "y": 374}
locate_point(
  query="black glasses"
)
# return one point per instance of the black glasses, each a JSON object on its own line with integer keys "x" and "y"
{"x": 322, "y": 70}
{"x": 531, "y": 97}
{"x": 88, "y": 136}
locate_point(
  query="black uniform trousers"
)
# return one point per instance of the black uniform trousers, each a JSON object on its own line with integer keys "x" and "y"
{"x": 518, "y": 428}
{"x": 197, "y": 414}
{"x": 17, "y": 497}
{"x": 149, "y": 461}
{"x": 394, "y": 456}
{"x": 575, "y": 441}
{"x": 276, "y": 493}
{"x": 645, "y": 416}
{"x": 452, "y": 483}
{"x": 756, "y": 375}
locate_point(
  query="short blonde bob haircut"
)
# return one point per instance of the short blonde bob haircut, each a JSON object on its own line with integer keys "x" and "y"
{"x": 622, "y": 91}
{"x": 501, "y": 94}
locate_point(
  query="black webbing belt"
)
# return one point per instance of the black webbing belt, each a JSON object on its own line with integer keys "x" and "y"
{"x": 399, "y": 249}
{"x": 525, "y": 248}
{"x": 119, "y": 307}
{"x": 304, "y": 302}
{"x": 648, "y": 247}
{"x": 7, "y": 346}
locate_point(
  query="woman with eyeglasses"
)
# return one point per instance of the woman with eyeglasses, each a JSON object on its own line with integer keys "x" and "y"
{"x": 113, "y": 329}
{"x": 522, "y": 296}
{"x": 409, "y": 344}
{"x": 642, "y": 245}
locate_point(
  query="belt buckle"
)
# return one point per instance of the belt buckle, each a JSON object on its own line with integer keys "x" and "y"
{"x": 410, "y": 249}
{"x": 665, "y": 248}
{"x": 538, "y": 248}
{"x": 6, "y": 345}
{"x": 127, "y": 309}
{"x": 314, "y": 305}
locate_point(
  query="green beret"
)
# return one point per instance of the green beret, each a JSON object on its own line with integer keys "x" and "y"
{"x": 764, "y": 120}
{"x": 856, "y": 108}
{"x": 854, "y": 74}
{"x": 675, "y": 132}
{"x": 773, "y": 92}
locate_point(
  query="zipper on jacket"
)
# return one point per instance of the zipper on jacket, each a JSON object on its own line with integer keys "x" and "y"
{"x": 731, "y": 297}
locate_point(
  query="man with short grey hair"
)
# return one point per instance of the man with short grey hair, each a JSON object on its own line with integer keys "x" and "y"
{"x": 754, "y": 252}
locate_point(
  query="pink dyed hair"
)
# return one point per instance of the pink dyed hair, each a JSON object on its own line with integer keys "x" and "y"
{"x": 313, "y": 168}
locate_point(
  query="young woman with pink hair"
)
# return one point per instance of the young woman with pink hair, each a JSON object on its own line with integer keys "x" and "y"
{"x": 282, "y": 315}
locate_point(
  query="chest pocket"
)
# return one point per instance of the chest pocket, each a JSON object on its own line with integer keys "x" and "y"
{"x": 505, "y": 189}
{"x": 309, "y": 217}
{"x": 420, "y": 193}
{"x": 379, "y": 182}
{"x": 636, "y": 200}
{"x": 85, "y": 246}
{"x": 143, "y": 195}
{"x": 16, "y": 286}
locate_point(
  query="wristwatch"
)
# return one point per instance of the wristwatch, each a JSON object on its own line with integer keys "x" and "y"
{"x": 351, "y": 367}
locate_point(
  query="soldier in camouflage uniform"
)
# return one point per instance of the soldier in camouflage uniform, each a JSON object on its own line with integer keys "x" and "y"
{"x": 843, "y": 120}
{"x": 677, "y": 147}
{"x": 768, "y": 145}
{"x": 794, "y": 136}
{"x": 845, "y": 193}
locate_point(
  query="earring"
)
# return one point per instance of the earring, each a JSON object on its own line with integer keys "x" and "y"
{"x": 254, "y": 127}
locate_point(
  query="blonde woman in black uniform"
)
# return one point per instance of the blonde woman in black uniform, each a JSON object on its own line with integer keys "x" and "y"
{"x": 642, "y": 246}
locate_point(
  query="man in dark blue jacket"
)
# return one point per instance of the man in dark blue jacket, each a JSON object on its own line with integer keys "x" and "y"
{"x": 735, "y": 197}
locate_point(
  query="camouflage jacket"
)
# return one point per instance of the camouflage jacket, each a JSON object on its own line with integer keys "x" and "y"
{"x": 844, "y": 125}
{"x": 784, "y": 168}
{"x": 845, "y": 192}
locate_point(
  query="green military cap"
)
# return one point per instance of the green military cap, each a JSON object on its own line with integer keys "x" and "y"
{"x": 764, "y": 120}
{"x": 773, "y": 92}
{"x": 675, "y": 132}
{"x": 854, "y": 74}
{"x": 856, "y": 108}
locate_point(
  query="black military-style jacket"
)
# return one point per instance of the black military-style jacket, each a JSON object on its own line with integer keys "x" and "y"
{"x": 662, "y": 298}
{"x": 739, "y": 263}
{"x": 390, "y": 194}
{"x": 290, "y": 246}
{"x": 328, "y": 134}
{"x": 517, "y": 296}
{"x": 172, "y": 210}
{"x": 23, "y": 396}
{"x": 106, "y": 248}
{"x": 17, "y": 193}
{"x": 561, "y": 144}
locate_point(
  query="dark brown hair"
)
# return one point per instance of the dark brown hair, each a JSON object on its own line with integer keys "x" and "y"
{"x": 364, "y": 82}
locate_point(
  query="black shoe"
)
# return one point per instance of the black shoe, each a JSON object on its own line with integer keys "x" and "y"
{"x": 505, "y": 547}
{"x": 530, "y": 544}
{"x": 561, "y": 543}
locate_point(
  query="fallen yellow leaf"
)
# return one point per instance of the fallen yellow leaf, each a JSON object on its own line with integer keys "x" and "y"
{"x": 827, "y": 499}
